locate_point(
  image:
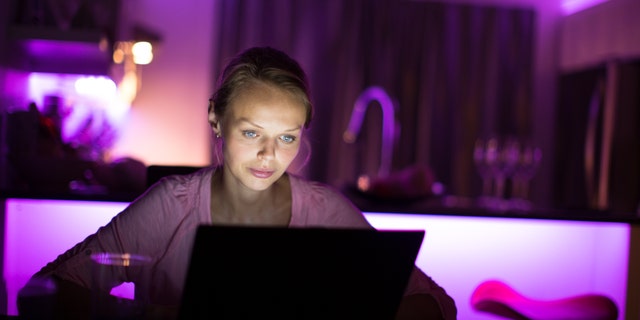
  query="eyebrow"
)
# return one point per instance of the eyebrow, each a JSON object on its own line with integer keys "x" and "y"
{"x": 256, "y": 125}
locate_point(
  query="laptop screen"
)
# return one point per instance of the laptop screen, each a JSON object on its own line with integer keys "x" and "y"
{"x": 297, "y": 273}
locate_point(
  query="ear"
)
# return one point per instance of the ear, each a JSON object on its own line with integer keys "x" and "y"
{"x": 214, "y": 122}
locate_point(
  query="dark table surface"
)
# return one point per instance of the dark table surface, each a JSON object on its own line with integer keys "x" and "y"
{"x": 463, "y": 206}
{"x": 440, "y": 205}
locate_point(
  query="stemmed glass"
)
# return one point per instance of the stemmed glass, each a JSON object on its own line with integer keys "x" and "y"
{"x": 499, "y": 160}
{"x": 485, "y": 156}
{"x": 527, "y": 166}
{"x": 509, "y": 154}
{"x": 496, "y": 161}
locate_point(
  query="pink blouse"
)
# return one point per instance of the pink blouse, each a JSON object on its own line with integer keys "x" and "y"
{"x": 161, "y": 224}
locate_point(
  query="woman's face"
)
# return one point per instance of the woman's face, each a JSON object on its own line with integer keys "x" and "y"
{"x": 262, "y": 131}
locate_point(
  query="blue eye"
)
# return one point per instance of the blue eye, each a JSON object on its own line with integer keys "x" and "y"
{"x": 288, "y": 139}
{"x": 249, "y": 134}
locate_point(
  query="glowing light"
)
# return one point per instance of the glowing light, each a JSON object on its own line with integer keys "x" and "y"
{"x": 118, "y": 55}
{"x": 568, "y": 257}
{"x": 142, "y": 52}
{"x": 573, "y": 6}
{"x": 90, "y": 107}
{"x": 95, "y": 86}
{"x": 128, "y": 87}
{"x": 74, "y": 88}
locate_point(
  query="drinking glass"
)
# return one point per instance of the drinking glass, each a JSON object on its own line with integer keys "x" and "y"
{"x": 109, "y": 300}
{"x": 526, "y": 168}
{"x": 485, "y": 155}
{"x": 509, "y": 154}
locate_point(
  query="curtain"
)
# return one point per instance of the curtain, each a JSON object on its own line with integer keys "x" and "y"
{"x": 456, "y": 72}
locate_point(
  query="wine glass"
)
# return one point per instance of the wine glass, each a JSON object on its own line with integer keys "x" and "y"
{"x": 484, "y": 157}
{"x": 526, "y": 168}
{"x": 508, "y": 156}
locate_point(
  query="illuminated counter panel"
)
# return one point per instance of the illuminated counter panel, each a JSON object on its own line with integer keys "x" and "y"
{"x": 544, "y": 259}
{"x": 37, "y": 231}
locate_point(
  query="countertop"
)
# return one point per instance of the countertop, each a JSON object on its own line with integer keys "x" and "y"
{"x": 80, "y": 196}
{"x": 440, "y": 205}
{"x": 463, "y": 206}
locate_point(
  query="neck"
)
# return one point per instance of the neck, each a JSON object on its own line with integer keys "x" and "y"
{"x": 236, "y": 204}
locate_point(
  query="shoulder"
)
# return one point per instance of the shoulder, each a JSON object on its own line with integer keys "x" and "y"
{"x": 173, "y": 205}
{"x": 319, "y": 204}
{"x": 182, "y": 183}
{"x": 184, "y": 190}
{"x": 314, "y": 189}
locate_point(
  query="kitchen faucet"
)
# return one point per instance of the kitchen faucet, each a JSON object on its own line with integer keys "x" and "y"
{"x": 360, "y": 107}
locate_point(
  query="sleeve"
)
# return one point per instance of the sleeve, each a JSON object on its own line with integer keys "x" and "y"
{"x": 141, "y": 228}
{"x": 324, "y": 206}
{"x": 420, "y": 283}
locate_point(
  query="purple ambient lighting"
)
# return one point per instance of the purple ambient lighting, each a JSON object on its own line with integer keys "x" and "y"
{"x": 543, "y": 258}
{"x": 91, "y": 109}
{"x": 572, "y": 6}
{"x": 78, "y": 52}
{"x": 71, "y": 49}
{"x": 99, "y": 91}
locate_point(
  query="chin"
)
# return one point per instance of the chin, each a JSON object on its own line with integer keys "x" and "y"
{"x": 262, "y": 184}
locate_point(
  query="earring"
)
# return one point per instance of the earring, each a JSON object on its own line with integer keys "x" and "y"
{"x": 218, "y": 135}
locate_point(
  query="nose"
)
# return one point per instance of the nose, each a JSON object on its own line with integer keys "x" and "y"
{"x": 267, "y": 150}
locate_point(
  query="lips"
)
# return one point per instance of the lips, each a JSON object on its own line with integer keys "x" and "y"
{"x": 262, "y": 174}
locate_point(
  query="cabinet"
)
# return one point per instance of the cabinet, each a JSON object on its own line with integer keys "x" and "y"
{"x": 39, "y": 49}
{"x": 61, "y": 36}
{"x": 46, "y": 36}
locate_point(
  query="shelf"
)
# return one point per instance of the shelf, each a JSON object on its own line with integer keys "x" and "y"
{"x": 40, "y": 49}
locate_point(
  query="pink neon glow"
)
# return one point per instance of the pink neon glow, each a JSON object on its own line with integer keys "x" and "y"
{"x": 100, "y": 87}
{"x": 90, "y": 107}
{"x": 542, "y": 258}
{"x": 72, "y": 87}
{"x": 573, "y": 6}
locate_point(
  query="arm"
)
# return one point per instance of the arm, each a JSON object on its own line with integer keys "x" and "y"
{"x": 423, "y": 297}
{"x": 419, "y": 307}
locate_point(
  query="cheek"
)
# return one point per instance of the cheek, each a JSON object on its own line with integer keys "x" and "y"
{"x": 234, "y": 151}
{"x": 288, "y": 154}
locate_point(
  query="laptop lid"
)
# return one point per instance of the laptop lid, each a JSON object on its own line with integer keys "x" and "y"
{"x": 297, "y": 273}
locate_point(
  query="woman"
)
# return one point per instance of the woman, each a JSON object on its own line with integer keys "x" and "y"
{"x": 258, "y": 116}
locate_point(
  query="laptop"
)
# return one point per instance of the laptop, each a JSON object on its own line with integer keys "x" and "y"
{"x": 298, "y": 273}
